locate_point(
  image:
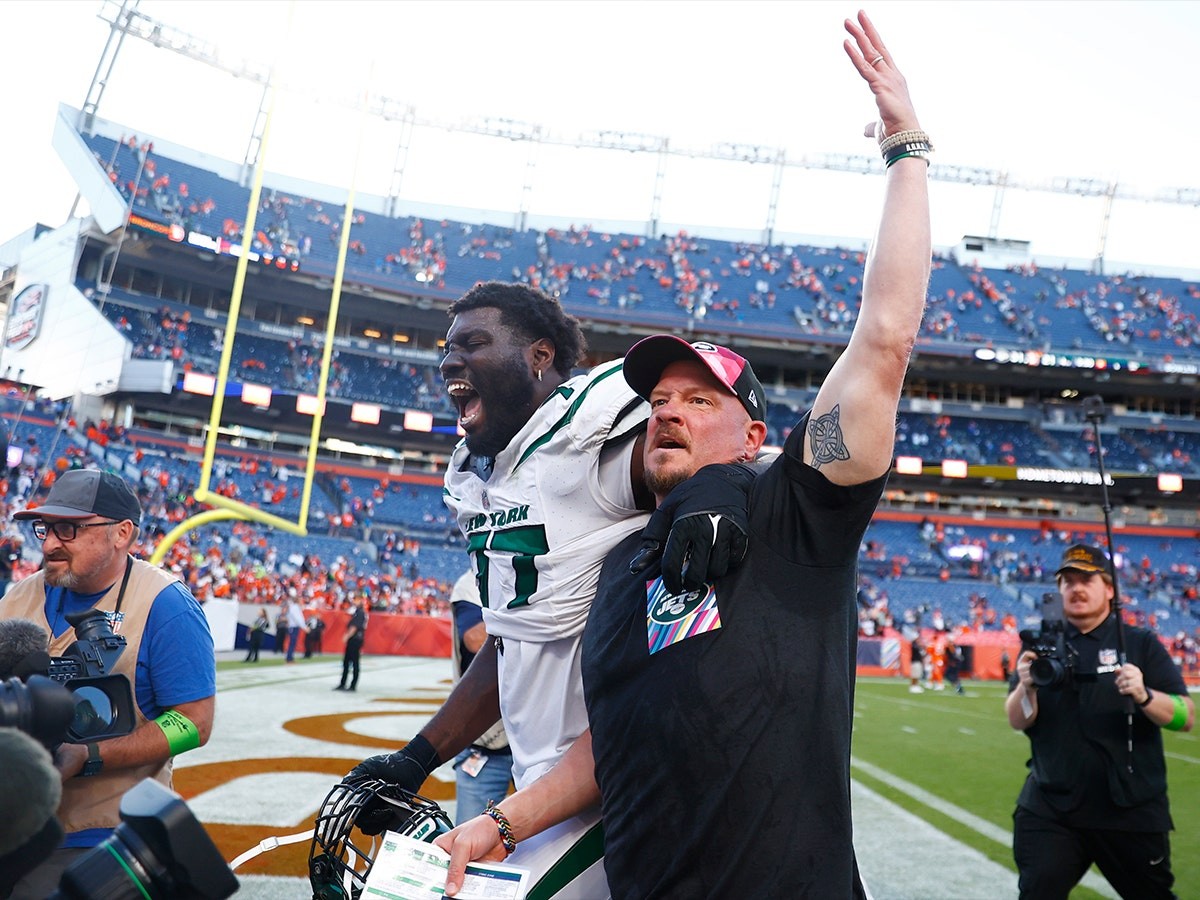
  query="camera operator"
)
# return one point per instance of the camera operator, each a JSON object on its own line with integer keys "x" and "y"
{"x": 1097, "y": 787}
{"x": 87, "y": 525}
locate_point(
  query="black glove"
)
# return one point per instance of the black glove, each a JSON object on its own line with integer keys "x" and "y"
{"x": 407, "y": 767}
{"x": 700, "y": 529}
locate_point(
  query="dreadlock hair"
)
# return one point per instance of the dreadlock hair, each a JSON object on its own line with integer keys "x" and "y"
{"x": 531, "y": 314}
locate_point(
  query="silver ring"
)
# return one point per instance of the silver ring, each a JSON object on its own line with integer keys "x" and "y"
{"x": 877, "y": 60}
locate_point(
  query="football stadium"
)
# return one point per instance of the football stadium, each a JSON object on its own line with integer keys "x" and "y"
{"x": 258, "y": 354}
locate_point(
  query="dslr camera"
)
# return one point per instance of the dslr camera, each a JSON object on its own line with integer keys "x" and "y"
{"x": 1056, "y": 665}
{"x": 103, "y": 701}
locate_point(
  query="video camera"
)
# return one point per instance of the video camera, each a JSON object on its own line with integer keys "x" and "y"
{"x": 159, "y": 851}
{"x": 1056, "y": 663}
{"x": 103, "y": 701}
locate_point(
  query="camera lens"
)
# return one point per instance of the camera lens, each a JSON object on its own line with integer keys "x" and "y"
{"x": 122, "y": 867}
{"x": 94, "y": 713}
{"x": 40, "y": 708}
{"x": 1045, "y": 671}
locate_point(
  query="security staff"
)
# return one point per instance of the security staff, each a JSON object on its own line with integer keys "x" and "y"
{"x": 1089, "y": 797}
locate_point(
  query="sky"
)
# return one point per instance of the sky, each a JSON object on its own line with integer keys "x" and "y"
{"x": 1041, "y": 90}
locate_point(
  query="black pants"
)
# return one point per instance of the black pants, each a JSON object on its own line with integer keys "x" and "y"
{"x": 1052, "y": 857}
{"x": 350, "y": 661}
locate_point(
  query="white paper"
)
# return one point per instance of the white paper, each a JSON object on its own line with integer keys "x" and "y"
{"x": 408, "y": 869}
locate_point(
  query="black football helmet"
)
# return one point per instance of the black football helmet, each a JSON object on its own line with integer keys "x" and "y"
{"x": 338, "y": 860}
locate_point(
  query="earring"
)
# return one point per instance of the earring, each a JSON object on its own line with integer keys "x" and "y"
{"x": 538, "y": 372}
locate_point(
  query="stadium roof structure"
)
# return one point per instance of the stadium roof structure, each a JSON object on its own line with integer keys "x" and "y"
{"x": 125, "y": 19}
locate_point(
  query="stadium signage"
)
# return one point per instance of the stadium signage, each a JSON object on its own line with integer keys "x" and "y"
{"x": 1061, "y": 476}
{"x": 1056, "y": 360}
{"x": 171, "y": 231}
{"x": 25, "y": 316}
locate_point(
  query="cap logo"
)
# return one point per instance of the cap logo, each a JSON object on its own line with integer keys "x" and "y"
{"x": 752, "y": 398}
{"x": 705, "y": 347}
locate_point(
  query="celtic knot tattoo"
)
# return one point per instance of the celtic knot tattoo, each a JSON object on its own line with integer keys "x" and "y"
{"x": 826, "y": 436}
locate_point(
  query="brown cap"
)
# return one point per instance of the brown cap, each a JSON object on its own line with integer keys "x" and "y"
{"x": 1083, "y": 558}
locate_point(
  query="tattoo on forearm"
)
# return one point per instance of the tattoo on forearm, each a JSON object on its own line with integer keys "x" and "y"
{"x": 825, "y": 434}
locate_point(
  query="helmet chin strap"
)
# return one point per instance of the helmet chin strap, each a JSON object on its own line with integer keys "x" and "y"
{"x": 270, "y": 844}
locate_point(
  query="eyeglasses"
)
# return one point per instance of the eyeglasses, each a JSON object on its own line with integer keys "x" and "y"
{"x": 64, "y": 531}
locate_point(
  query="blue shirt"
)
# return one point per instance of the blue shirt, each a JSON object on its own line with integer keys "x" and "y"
{"x": 176, "y": 662}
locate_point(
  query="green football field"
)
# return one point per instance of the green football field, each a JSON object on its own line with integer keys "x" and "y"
{"x": 953, "y": 761}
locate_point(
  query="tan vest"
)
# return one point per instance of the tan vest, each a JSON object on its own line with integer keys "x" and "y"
{"x": 94, "y": 802}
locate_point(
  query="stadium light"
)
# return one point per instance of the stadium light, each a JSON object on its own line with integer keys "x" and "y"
{"x": 1170, "y": 482}
{"x": 954, "y": 468}
{"x": 306, "y": 405}
{"x": 365, "y": 413}
{"x": 256, "y": 395}
{"x": 199, "y": 383}
{"x": 418, "y": 421}
{"x": 909, "y": 465}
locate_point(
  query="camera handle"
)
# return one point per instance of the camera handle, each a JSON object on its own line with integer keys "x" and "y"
{"x": 1093, "y": 411}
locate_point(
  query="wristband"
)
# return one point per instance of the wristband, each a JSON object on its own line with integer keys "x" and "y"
{"x": 422, "y": 752}
{"x": 94, "y": 763}
{"x": 180, "y": 731}
{"x": 1181, "y": 714}
{"x": 503, "y": 826}
{"x": 1149, "y": 697}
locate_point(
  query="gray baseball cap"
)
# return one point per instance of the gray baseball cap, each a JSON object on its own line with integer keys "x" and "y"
{"x": 80, "y": 493}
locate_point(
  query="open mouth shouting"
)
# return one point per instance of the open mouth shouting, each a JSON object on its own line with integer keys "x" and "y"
{"x": 466, "y": 398}
{"x": 667, "y": 440}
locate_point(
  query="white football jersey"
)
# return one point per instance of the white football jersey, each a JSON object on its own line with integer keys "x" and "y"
{"x": 538, "y": 531}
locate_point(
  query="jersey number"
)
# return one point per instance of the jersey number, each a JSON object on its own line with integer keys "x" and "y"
{"x": 525, "y": 544}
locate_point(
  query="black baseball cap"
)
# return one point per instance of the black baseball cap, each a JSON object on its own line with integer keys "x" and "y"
{"x": 645, "y": 361}
{"x": 1084, "y": 558}
{"x": 80, "y": 493}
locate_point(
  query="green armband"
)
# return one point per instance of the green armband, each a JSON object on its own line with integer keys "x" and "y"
{"x": 1180, "y": 718}
{"x": 180, "y": 731}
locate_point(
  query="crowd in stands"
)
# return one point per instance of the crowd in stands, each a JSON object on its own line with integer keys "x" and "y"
{"x": 392, "y": 539}
{"x": 942, "y": 577}
{"x": 671, "y": 279}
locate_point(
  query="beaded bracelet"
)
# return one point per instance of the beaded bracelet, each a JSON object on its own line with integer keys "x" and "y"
{"x": 903, "y": 137}
{"x": 503, "y": 826}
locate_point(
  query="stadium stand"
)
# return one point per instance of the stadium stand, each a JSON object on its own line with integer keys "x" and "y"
{"x": 386, "y": 532}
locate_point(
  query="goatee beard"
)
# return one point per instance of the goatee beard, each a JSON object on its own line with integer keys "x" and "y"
{"x": 68, "y": 580}
{"x": 662, "y": 483}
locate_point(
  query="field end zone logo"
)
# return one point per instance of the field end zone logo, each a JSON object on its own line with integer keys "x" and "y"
{"x": 25, "y": 316}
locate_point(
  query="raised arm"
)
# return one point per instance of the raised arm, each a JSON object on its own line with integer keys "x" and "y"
{"x": 852, "y": 426}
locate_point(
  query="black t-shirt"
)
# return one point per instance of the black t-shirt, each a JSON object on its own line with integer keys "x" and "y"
{"x": 723, "y": 756}
{"x": 1079, "y": 772}
{"x": 358, "y": 621}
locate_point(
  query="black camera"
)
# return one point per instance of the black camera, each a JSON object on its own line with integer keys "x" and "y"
{"x": 39, "y": 707}
{"x": 1056, "y": 663}
{"x": 103, "y": 701}
{"x": 159, "y": 851}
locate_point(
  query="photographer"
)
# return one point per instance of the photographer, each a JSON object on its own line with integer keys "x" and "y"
{"x": 1097, "y": 787}
{"x": 87, "y": 525}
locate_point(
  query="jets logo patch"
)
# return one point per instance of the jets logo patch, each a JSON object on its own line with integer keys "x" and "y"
{"x": 671, "y": 618}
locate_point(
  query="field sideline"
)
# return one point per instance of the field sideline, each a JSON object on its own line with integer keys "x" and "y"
{"x": 935, "y": 774}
